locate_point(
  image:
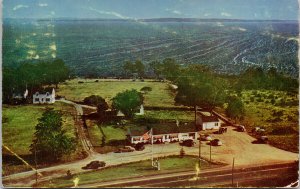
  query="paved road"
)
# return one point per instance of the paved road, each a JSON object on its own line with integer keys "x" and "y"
{"x": 250, "y": 176}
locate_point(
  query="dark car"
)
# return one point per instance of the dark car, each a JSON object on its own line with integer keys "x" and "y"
{"x": 262, "y": 140}
{"x": 94, "y": 165}
{"x": 216, "y": 142}
{"x": 241, "y": 128}
{"x": 139, "y": 147}
{"x": 188, "y": 143}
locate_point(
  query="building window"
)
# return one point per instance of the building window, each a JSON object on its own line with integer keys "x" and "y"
{"x": 47, "y": 99}
{"x": 36, "y": 99}
{"x": 216, "y": 124}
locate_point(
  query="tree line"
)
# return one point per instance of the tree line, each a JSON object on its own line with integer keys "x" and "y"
{"x": 32, "y": 76}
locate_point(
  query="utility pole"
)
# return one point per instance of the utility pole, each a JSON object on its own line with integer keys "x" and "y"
{"x": 232, "y": 172}
{"x": 210, "y": 152}
{"x": 199, "y": 155}
{"x": 36, "y": 173}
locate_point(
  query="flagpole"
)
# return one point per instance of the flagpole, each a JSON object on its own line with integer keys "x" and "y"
{"x": 152, "y": 146}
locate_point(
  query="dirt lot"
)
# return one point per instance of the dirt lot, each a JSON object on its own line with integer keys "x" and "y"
{"x": 239, "y": 145}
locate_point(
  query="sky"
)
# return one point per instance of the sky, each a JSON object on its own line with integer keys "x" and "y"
{"x": 140, "y": 9}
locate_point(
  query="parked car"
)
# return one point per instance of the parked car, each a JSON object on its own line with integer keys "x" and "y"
{"x": 241, "y": 128}
{"x": 139, "y": 147}
{"x": 94, "y": 165}
{"x": 262, "y": 139}
{"x": 255, "y": 129}
{"x": 205, "y": 137}
{"x": 216, "y": 142}
{"x": 188, "y": 143}
{"x": 125, "y": 149}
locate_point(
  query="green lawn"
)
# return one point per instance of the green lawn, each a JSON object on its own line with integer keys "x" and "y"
{"x": 18, "y": 127}
{"x": 142, "y": 168}
{"x": 106, "y": 138}
{"x": 170, "y": 115}
{"x": 159, "y": 96}
{"x": 18, "y": 124}
{"x": 277, "y": 112}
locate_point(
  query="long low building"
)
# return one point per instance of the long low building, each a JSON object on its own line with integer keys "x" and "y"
{"x": 162, "y": 133}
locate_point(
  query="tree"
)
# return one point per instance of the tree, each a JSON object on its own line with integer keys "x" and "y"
{"x": 170, "y": 69}
{"x": 140, "y": 68}
{"x": 50, "y": 140}
{"x": 235, "y": 108}
{"x": 97, "y": 101}
{"x": 156, "y": 67}
{"x": 202, "y": 89}
{"x": 127, "y": 102}
{"x": 128, "y": 67}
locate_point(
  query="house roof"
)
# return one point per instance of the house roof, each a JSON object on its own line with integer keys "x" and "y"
{"x": 210, "y": 119}
{"x": 206, "y": 118}
{"x": 162, "y": 128}
{"x": 45, "y": 90}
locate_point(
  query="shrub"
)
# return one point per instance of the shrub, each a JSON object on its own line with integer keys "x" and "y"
{"x": 272, "y": 101}
{"x": 277, "y": 113}
{"x": 146, "y": 89}
{"x": 284, "y": 130}
{"x": 259, "y": 100}
{"x": 270, "y": 96}
{"x": 254, "y": 93}
{"x": 182, "y": 152}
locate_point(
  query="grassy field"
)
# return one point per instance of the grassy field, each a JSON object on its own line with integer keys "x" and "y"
{"x": 169, "y": 114}
{"x": 276, "y": 112}
{"x": 159, "y": 96}
{"x": 106, "y": 138}
{"x": 142, "y": 168}
{"x": 18, "y": 127}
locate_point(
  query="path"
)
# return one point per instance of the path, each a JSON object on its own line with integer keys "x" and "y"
{"x": 86, "y": 144}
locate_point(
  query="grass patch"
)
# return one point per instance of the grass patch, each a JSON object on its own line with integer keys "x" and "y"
{"x": 18, "y": 127}
{"x": 160, "y": 95}
{"x": 142, "y": 168}
{"x": 170, "y": 115}
{"x": 106, "y": 138}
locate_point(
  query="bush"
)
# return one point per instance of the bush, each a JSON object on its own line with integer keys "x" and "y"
{"x": 80, "y": 82}
{"x": 284, "y": 130}
{"x": 146, "y": 89}
{"x": 277, "y": 113}
{"x": 259, "y": 100}
{"x": 270, "y": 96}
{"x": 182, "y": 152}
{"x": 272, "y": 101}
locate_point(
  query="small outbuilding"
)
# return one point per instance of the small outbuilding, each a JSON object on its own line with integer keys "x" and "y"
{"x": 205, "y": 122}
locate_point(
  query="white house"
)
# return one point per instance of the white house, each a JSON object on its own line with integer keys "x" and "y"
{"x": 46, "y": 96}
{"x": 208, "y": 122}
{"x": 162, "y": 134}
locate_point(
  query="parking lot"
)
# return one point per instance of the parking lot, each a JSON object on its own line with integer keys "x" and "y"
{"x": 235, "y": 144}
